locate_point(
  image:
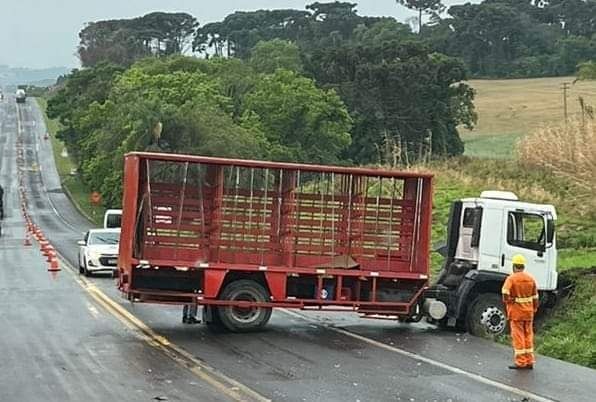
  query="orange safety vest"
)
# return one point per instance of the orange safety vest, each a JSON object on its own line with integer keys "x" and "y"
{"x": 520, "y": 296}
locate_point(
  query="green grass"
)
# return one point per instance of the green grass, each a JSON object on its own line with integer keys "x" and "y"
{"x": 66, "y": 166}
{"x": 500, "y": 146}
{"x": 569, "y": 334}
{"x": 576, "y": 258}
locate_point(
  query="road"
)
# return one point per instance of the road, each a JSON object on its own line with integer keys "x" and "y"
{"x": 300, "y": 357}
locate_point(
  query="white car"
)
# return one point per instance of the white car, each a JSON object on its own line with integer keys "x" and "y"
{"x": 99, "y": 251}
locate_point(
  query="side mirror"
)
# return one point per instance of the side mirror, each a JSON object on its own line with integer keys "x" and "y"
{"x": 81, "y": 243}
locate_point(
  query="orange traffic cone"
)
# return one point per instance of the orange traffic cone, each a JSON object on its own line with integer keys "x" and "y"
{"x": 50, "y": 253}
{"x": 43, "y": 246}
{"x": 54, "y": 266}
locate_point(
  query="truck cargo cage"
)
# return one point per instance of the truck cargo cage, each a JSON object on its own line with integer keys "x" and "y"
{"x": 329, "y": 231}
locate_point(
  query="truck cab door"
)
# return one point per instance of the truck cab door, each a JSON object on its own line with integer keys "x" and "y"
{"x": 525, "y": 233}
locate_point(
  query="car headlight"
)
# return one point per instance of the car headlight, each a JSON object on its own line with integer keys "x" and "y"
{"x": 94, "y": 255}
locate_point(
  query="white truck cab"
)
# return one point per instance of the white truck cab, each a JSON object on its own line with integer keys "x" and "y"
{"x": 497, "y": 226}
{"x": 484, "y": 234}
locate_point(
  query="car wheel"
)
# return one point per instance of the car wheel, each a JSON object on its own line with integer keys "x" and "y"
{"x": 244, "y": 319}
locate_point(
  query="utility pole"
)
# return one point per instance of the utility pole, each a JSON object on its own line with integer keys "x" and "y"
{"x": 565, "y": 88}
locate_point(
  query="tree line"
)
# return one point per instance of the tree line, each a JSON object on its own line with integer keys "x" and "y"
{"x": 517, "y": 38}
{"x": 322, "y": 85}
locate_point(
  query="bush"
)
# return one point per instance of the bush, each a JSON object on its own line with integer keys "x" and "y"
{"x": 568, "y": 151}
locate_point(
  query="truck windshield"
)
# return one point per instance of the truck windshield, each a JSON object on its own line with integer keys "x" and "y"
{"x": 104, "y": 238}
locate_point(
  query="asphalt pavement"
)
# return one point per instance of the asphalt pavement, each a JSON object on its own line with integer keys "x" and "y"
{"x": 56, "y": 342}
{"x": 300, "y": 356}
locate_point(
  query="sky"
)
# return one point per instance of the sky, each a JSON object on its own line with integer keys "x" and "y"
{"x": 44, "y": 33}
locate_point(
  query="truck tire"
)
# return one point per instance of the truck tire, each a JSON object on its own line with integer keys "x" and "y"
{"x": 486, "y": 316}
{"x": 238, "y": 319}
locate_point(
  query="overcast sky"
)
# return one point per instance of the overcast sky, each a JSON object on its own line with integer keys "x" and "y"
{"x": 43, "y": 33}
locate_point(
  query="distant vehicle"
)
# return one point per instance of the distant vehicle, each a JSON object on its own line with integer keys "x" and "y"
{"x": 112, "y": 219}
{"x": 21, "y": 96}
{"x": 99, "y": 251}
{"x": 1, "y": 96}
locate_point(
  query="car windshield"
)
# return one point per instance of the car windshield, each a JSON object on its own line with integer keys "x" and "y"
{"x": 109, "y": 238}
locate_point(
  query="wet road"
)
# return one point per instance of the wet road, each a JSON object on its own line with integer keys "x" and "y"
{"x": 56, "y": 343}
{"x": 306, "y": 357}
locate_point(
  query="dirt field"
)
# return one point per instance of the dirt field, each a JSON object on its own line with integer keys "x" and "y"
{"x": 518, "y": 106}
{"x": 508, "y": 109}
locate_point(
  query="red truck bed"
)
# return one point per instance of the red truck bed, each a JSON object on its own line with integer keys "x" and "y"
{"x": 312, "y": 236}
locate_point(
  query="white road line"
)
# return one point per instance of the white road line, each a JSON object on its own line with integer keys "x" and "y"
{"x": 455, "y": 370}
{"x": 43, "y": 186}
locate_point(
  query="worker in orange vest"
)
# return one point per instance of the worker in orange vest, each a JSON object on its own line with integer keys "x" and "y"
{"x": 520, "y": 296}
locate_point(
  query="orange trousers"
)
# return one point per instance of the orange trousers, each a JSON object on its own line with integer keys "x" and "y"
{"x": 522, "y": 338}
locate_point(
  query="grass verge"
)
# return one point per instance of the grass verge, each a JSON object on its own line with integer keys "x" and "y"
{"x": 71, "y": 182}
{"x": 501, "y": 146}
{"x": 569, "y": 332}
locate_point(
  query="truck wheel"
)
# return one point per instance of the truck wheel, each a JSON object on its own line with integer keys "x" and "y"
{"x": 244, "y": 319}
{"x": 486, "y": 317}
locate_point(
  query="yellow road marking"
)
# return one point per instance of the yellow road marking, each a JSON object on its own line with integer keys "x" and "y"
{"x": 224, "y": 384}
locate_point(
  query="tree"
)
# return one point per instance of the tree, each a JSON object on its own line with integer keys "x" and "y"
{"x": 110, "y": 41}
{"x": 239, "y": 32}
{"x": 124, "y": 41}
{"x": 399, "y": 93}
{"x": 432, "y": 7}
{"x": 171, "y": 31}
{"x": 587, "y": 71}
{"x": 488, "y": 36}
{"x": 80, "y": 89}
{"x": 301, "y": 122}
{"x": 266, "y": 57}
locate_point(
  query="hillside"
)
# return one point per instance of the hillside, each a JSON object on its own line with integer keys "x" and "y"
{"x": 10, "y": 76}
